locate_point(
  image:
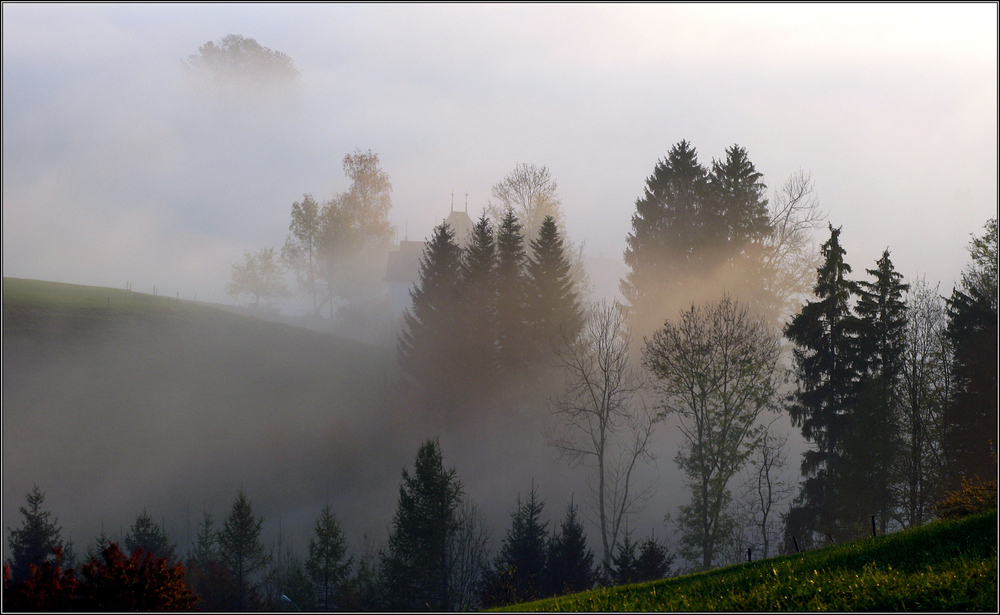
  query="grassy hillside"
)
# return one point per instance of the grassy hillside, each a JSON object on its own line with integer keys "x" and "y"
{"x": 943, "y": 566}
{"x": 115, "y": 401}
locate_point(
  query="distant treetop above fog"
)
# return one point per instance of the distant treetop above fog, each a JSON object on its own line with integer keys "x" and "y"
{"x": 239, "y": 59}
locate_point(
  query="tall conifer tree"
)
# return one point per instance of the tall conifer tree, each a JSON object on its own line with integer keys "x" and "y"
{"x": 553, "y": 309}
{"x": 570, "y": 563}
{"x": 872, "y": 441}
{"x": 149, "y": 536}
{"x": 518, "y": 572}
{"x": 824, "y": 334}
{"x": 426, "y": 345}
{"x": 328, "y": 564}
{"x": 511, "y": 316}
{"x": 478, "y": 296}
{"x": 970, "y": 419}
{"x": 34, "y": 541}
{"x": 416, "y": 567}
{"x": 661, "y": 243}
{"x": 241, "y": 550}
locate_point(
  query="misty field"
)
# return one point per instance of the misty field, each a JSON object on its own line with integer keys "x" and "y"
{"x": 943, "y": 566}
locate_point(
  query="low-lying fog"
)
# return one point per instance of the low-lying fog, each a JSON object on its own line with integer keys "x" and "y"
{"x": 121, "y": 167}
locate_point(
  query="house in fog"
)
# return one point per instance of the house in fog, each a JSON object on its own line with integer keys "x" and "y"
{"x": 403, "y": 267}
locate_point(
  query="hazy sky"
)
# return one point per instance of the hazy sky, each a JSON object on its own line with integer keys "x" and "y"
{"x": 117, "y": 168}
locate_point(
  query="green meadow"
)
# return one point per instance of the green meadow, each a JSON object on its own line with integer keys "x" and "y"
{"x": 942, "y": 566}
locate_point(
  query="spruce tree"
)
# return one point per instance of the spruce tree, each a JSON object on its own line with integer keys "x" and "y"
{"x": 328, "y": 565}
{"x": 553, "y": 309}
{"x": 653, "y": 561}
{"x": 206, "y": 541}
{"x": 664, "y": 235}
{"x": 101, "y": 542}
{"x": 970, "y": 418}
{"x": 241, "y": 550}
{"x": 34, "y": 541}
{"x": 624, "y": 569}
{"x": 736, "y": 225}
{"x": 511, "y": 301}
{"x": 518, "y": 570}
{"x": 695, "y": 228}
{"x": 415, "y": 567}
{"x": 872, "y": 444}
{"x": 426, "y": 346}
{"x": 147, "y": 535}
{"x": 825, "y": 335}
{"x": 737, "y": 213}
{"x": 570, "y": 564}
{"x": 477, "y": 312}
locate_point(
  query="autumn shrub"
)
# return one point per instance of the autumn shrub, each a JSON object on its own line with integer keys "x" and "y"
{"x": 974, "y": 496}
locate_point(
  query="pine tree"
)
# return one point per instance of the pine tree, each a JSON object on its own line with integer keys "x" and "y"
{"x": 147, "y": 535}
{"x": 695, "y": 229}
{"x": 415, "y": 567}
{"x": 34, "y": 541}
{"x": 241, "y": 550}
{"x": 570, "y": 564}
{"x": 328, "y": 564}
{"x": 553, "y": 309}
{"x": 426, "y": 347}
{"x": 824, "y": 334}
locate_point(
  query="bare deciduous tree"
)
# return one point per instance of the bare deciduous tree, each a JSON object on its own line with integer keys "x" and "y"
{"x": 602, "y": 421}
{"x": 789, "y": 257}
{"x": 717, "y": 369}
{"x": 468, "y": 557}
{"x": 530, "y": 192}
{"x": 766, "y": 489}
{"x": 926, "y": 377}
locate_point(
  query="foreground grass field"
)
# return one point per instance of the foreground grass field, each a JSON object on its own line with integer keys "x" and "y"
{"x": 943, "y": 566}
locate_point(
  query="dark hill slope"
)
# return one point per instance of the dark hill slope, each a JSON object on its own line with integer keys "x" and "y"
{"x": 116, "y": 401}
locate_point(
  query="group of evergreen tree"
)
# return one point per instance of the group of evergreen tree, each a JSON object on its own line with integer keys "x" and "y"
{"x": 694, "y": 226}
{"x": 437, "y": 557}
{"x": 866, "y": 402}
{"x": 646, "y": 560}
{"x": 486, "y": 315}
{"x": 532, "y": 563}
{"x": 227, "y": 568}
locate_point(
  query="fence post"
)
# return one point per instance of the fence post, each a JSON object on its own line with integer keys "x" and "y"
{"x": 873, "y": 526}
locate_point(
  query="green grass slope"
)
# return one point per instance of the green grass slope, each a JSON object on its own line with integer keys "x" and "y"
{"x": 943, "y": 566}
{"x": 114, "y": 401}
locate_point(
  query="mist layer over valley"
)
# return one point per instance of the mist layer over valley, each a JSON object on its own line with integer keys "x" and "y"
{"x": 170, "y": 406}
